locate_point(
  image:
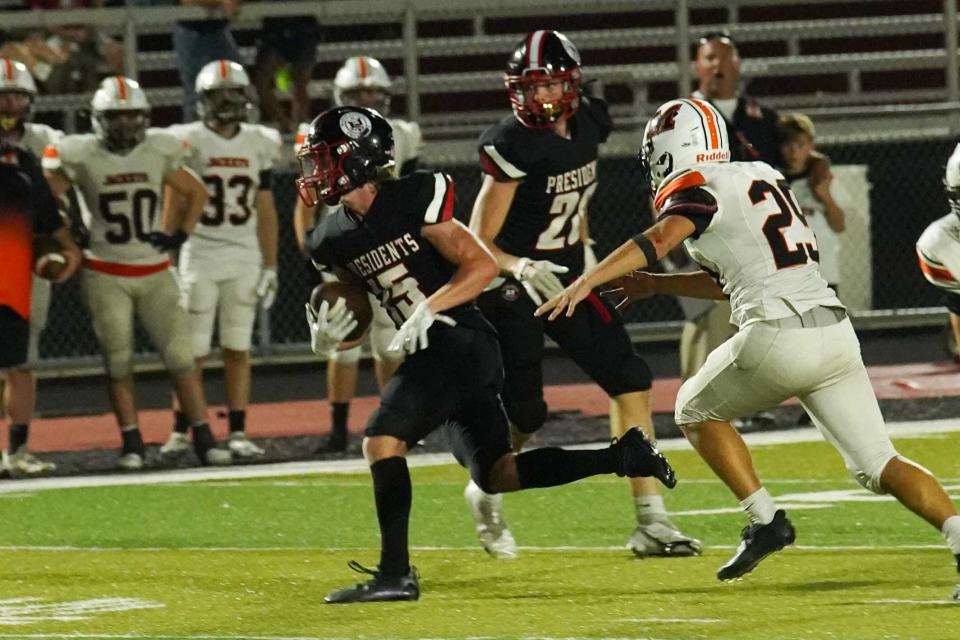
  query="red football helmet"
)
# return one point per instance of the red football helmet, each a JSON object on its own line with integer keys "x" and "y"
{"x": 543, "y": 79}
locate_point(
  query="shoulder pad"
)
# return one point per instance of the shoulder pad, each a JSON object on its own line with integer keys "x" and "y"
{"x": 269, "y": 134}
{"x": 681, "y": 181}
{"x": 410, "y": 130}
{"x": 68, "y": 150}
{"x": 165, "y": 142}
{"x": 953, "y": 169}
{"x": 600, "y": 113}
{"x": 499, "y": 149}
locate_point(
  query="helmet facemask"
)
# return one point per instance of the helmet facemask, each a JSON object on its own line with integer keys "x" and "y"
{"x": 15, "y": 109}
{"x": 376, "y": 98}
{"x": 224, "y": 107}
{"x": 527, "y": 91}
{"x": 120, "y": 130}
{"x": 322, "y": 174}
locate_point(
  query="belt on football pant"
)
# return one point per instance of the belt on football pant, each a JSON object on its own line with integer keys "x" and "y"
{"x": 816, "y": 317}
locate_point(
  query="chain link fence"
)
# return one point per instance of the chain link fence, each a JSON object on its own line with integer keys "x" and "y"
{"x": 905, "y": 195}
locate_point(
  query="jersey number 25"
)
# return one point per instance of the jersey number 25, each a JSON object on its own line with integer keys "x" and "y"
{"x": 780, "y": 223}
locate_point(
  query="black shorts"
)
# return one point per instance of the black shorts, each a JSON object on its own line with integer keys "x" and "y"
{"x": 594, "y": 337}
{"x": 293, "y": 38}
{"x": 457, "y": 381}
{"x": 14, "y": 338}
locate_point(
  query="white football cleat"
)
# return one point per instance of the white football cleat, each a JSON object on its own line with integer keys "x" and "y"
{"x": 487, "y": 512}
{"x": 662, "y": 538}
{"x": 241, "y": 446}
{"x": 22, "y": 461}
{"x": 130, "y": 461}
{"x": 218, "y": 457}
{"x": 176, "y": 445}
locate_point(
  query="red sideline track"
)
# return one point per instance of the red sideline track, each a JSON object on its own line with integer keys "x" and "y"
{"x": 284, "y": 419}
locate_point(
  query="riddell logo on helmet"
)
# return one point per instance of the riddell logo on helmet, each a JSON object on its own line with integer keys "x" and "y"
{"x": 715, "y": 155}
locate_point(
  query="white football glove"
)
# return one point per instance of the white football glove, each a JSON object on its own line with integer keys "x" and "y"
{"x": 329, "y": 327}
{"x": 267, "y": 287}
{"x": 537, "y": 277}
{"x": 589, "y": 257}
{"x": 412, "y": 336}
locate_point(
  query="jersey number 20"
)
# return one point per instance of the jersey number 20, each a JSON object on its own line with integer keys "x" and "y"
{"x": 566, "y": 213}
{"x": 778, "y": 223}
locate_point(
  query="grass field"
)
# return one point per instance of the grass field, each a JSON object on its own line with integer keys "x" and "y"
{"x": 253, "y": 558}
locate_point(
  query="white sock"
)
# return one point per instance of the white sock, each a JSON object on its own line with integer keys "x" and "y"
{"x": 649, "y": 509}
{"x": 759, "y": 506}
{"x": 951, "y": 533}
{"x": 130, "y": 427}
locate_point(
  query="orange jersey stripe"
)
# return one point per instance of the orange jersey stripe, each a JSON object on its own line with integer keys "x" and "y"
{"x": 683, "y": 181}
{"x": 935, "y": 272}
{"x": 713, "y": 131}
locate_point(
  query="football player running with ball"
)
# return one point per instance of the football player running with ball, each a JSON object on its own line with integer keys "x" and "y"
{"x": 229, "y": 263}
{"x": 742, "y": 224}
{"x": 540, "y": 171}
{"x": 360, "y": 82}
{"x": 121, "y": 170}
{"x": 397, "y": 239}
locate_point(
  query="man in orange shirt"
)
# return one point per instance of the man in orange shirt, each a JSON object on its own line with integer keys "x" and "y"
{"x": 26, "y": 208}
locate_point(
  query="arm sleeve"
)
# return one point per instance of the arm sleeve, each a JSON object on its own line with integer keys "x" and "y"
{"x": 437, "y": 197}
{"x": 695, "y": 204}
{"x": 318, "y": 248}
{"x": 46, "y": 217}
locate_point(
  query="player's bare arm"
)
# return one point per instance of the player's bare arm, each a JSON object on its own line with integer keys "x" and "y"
{"x": 58, "y": 182}
{"x": 70, "y": 251}
{"x": 267, "y": 227}
{"x": 476, "y": 266}
{"x": 489, "y": 213}
{"x": 303, "y": 218}
{"x": 639, "y": 285}
{"x": 187, "y": 186}
{"x": 637, "y": 253}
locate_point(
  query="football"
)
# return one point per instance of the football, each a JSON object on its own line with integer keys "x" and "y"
{"x": 357, "y": 301}
{"x": 48, "y": 261}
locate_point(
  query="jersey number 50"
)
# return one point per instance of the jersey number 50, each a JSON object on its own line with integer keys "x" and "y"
{"x": 777, "y": 224}
{"x": 142, "y": 214}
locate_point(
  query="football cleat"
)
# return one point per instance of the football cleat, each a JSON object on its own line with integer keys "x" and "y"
{"x": 176, "y": 445}
{"x": 23, "y": 462}
{"x": 242, "y": 447}
{"x": 487, "y": 511}
{"x": 758, "y": 541}
{"x": 130, "y": 461}
{"x": 956, "y": 592}
{"x": 380, "y": 588}
{"x": 662, "y": 538}
{"x": 637, "y": 457}
{"x": 215, "y": 457}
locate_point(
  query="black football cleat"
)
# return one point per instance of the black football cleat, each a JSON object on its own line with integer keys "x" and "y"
{"x": 380, "y": 588}
{"x": 956, "y": 592}
{"x": 335, "y": 443}
{"x": 759, "y": 541}
{"x": 637, "y": 457}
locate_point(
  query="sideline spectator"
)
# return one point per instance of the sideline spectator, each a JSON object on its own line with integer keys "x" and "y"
{"x": 198, "y": 42}
{"x": 26, "y": 208}
{"x": 292, "y": 41}
{"x": 808, "y": 172}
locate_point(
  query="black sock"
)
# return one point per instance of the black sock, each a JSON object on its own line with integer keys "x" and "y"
{"x": 393, "y": 495}
{"x": 180, "y": 422}
{"x": 132, "y": 441}
{"x": 18, "y": 436}
{"x": 237, "y": 420}
{"x": 338, "y": 420}
{"x": 202, "y": 439}
{"x": 553, "y": 466}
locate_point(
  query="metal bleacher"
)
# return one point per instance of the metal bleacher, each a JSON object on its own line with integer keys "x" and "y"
{"x": 639, "y": 79}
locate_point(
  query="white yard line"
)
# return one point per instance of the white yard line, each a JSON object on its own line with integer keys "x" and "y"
{"x": 284, "y": 469}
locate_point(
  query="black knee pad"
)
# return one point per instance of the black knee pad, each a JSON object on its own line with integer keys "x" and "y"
{"x": 528, "y": 414}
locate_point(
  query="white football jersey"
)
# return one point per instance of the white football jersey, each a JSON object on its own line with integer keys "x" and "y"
{"x": 231, "y": 169}
{"x": 122, "y": 193}
{"x": 757, "y": 244}
{"x": 938, "y": 250}
{"x": 37, "y": 137}
{"x": 407, "y": 141}
{"x": 828, "y": 241}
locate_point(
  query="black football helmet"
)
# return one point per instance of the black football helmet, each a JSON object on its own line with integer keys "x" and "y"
{"x": 542, "y": 58}
{"x": 345, "y": 148}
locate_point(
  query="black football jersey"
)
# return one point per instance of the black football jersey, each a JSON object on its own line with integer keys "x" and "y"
{"x": 385, "y": 249}
{"x": 557, "y": 179}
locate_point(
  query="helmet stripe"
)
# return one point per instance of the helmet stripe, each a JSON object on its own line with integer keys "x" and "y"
{"x": 223, "y": 69}
{"x": 121, "y": 88}
{"x": 363, "y": 67}
{"x": 535, "y": 49}
{"x": 9, "y": 67}
{"x": 713, "y": 131}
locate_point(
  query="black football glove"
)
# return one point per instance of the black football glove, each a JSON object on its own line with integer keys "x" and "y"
{"x": 166, "y": 241}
